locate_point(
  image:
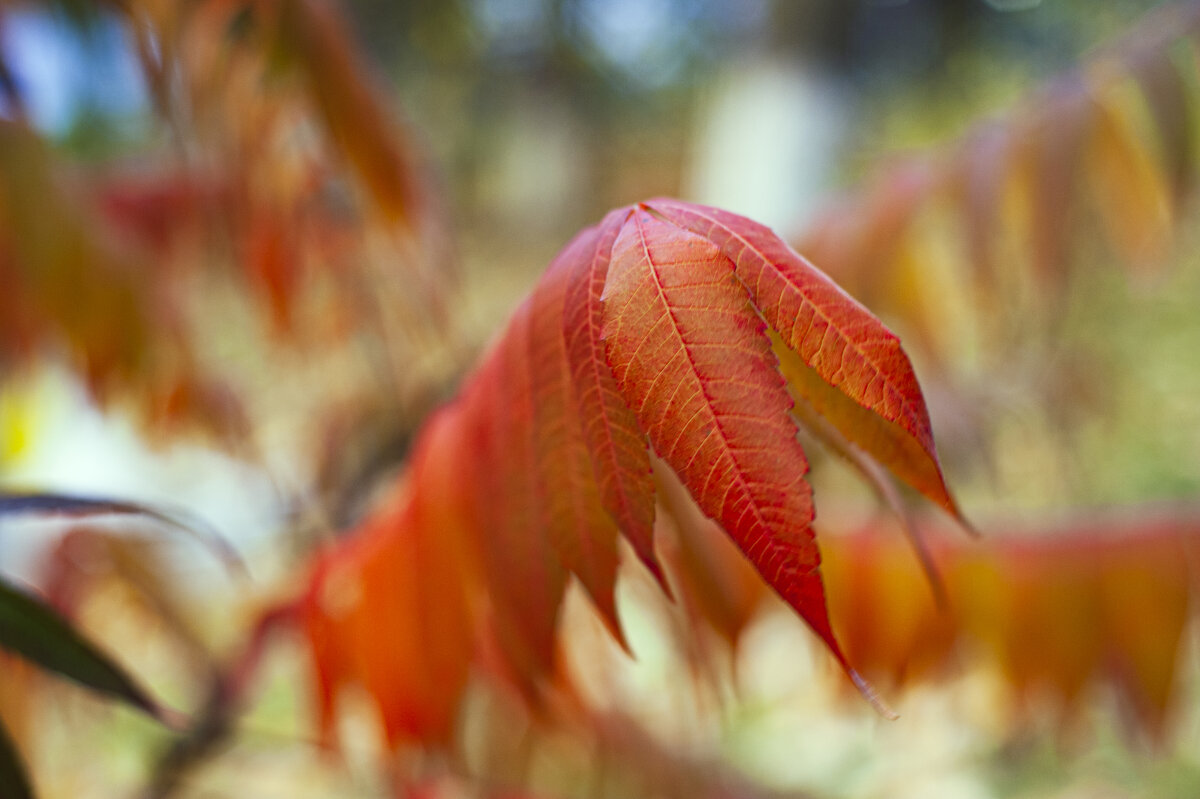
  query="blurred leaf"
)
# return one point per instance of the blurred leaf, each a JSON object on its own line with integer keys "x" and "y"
{"x": 42, "y": 504}
{"x": 1100, "y": 600}
{"x": 314, "y": 41}
{"x": 86, "y": 559}
{"x": 715, "y": 584}
{"x": 1168, "y": 100}
{"x": 33, "y": 630}
{"x": 1128, "y": 188}
{"x": 391, "y": 609}
{"x": 1115, "y": 135}
{"x": 13, "y": 781}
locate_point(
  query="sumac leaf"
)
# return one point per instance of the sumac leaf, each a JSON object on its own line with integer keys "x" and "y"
{"x": 581, "y": 532}
{"x": 1128, "y": 189}
{"x": 693, "y": 360}
{"x": 524, "y": 577}
{"x": 616, "y": 444}
{"x": 850, "y": 367}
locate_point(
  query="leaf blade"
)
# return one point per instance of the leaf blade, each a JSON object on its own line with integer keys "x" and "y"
{"x": 70, "y": 505}
{"x": 524, "y": 578}
{"x": 873, "y": 396}
{"x": 685, "y": 345}
{"x": 12, "y": 771}
{"x": 581, "y": 531}
{"x": 616, "y": 444}
{"x": 31, "y": 629}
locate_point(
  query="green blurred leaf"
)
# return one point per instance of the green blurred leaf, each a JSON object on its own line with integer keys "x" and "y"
{"x": 13, "y": 782}
{"x": 31, "y": 629}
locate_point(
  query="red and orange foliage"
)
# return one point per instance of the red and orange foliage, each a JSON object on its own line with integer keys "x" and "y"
{"x": 648, "y": 333}
{"x": 291, "y": 177}
{"x": 1099, "y": 600}
{"x": 648, "y": 389}
{"x": 1103, "y": 154}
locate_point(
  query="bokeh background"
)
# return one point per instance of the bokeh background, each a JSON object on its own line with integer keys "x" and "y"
{"x": 213, "y": 302}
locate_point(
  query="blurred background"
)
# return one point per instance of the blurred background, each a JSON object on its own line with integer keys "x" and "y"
{"x": 245, "y": 248}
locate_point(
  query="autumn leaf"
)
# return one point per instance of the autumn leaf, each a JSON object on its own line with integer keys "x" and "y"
{"x": 1129, "y": 190}
{"x": 1167, "y": 101}
{"x": 1100, "y": 600}
{"x": 1113, "y": 137}
{"x": 716, "y": 582}
{"x": 648, "y": 334}
{"x": 583, "y": 534}
{"x": 392, "y": 609}
{"x": 313, "y": 38}
{"x": 692, "y": 358}
{"x": 618, "y": 450}
{"x": 848, "y": 365}
{"x": 521, "y": 566}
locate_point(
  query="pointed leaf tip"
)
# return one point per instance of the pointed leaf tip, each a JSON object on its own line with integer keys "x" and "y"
{"x": 31, "y": 629}
{"x": 849, "y": 366}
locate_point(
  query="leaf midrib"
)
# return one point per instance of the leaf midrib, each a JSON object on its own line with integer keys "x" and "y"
{"x": 760, "y": 521}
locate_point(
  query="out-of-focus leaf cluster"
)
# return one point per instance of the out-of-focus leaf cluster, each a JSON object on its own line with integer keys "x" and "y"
{"x": 284, "y": 181}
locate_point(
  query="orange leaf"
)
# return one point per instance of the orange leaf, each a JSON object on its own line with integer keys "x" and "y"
{"x": 639, "y": 330}
{"x": 1166, "y": 94}
{"x": 314, "y": 36}
{"x": 850, "y": 367}
{"x": 1047, "y": 150}
{"x": 1145, "y": 596}
{"x": 1129, "y": 191}
{"x": 882, "y": 609}
{"x": 390, "y": 609}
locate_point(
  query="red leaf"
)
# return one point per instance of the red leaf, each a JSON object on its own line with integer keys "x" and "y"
{"x": 616, "y": 444}
{"x": 693, "y": 360}
{"x": 850, "y": 366}
{"x": 581, "y": 532}
{"x": 524, "y": 578}
{"x": 390, "y": 609}
{"x": 717, "y": 584}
